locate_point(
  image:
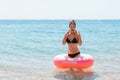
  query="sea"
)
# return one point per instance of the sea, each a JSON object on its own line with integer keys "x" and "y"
{"x": 28, "y": 47}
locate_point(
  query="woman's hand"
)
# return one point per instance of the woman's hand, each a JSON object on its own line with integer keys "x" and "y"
{"x": 75, "y": 32}
{"x": 78, "y": 33}
{"x": 72, "y": 32}
{"x": 67, "y": 34}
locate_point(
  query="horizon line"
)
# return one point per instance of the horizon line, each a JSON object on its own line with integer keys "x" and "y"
{"x": 59, "y": 19}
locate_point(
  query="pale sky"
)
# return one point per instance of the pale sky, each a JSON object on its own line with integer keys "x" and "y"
{"x": 59, "y": 9}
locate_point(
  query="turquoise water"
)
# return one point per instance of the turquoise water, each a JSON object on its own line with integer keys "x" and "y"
{"x": 27, "y": 48}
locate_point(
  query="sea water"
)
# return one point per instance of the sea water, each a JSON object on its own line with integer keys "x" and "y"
{"x": 27, "y": 48}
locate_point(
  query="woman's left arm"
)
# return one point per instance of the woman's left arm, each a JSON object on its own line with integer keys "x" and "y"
{"x": 79, "y": 38}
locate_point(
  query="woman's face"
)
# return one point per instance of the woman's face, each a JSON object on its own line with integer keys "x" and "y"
{"x": 72, "y": 27}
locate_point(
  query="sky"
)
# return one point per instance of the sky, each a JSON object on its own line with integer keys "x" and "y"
{"x": 59, "y": 9}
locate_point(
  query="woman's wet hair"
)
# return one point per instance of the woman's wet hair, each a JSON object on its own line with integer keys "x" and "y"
{"x": 72, "y": 22}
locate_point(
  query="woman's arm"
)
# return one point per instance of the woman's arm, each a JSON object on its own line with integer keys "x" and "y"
{"x": 79, "y": 38}
{"x": 64, "y": 39}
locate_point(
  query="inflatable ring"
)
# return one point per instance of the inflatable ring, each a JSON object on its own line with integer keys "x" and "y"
{"x": 81, "y": 61}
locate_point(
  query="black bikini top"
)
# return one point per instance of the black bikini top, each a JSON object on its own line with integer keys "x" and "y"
{"x": 73, "y": 41}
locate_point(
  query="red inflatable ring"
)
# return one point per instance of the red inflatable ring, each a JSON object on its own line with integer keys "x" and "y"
{"x": 81, "y": 61}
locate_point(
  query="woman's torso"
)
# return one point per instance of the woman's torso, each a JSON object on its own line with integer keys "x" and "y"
{"x": 73, "y": 48}
{"x": 72, "y": 44}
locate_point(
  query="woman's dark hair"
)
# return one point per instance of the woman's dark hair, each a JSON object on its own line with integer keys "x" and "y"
{"x": 72, "y": 22}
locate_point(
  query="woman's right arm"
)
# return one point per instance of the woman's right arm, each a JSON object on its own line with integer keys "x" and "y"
{"x": 64, "y": 39}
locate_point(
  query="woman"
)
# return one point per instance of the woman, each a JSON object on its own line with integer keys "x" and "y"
{"x": 73, "y": 38}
